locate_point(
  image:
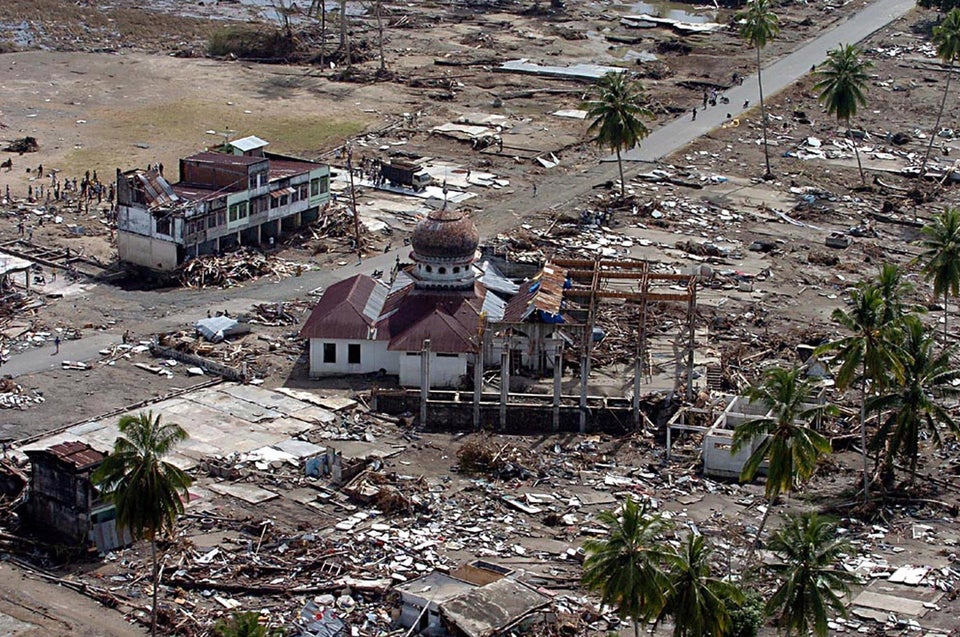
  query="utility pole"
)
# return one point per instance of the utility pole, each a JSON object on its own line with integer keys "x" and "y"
{"x": 353, "y": 202}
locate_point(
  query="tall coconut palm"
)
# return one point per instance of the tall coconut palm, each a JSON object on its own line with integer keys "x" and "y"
{"x": 147, "y": 491}
{"x": 625, "y": 567}
{"x": 893, "y": 290}
{"x": 866, "y": 354}
{"x": 911, "y": 401}
{"x": 759, "y": 25}
{"x": 787, "y": 442}
{"x": 842, "y": 83}
{"x": 946, "y": 37}
{"x": 940, "y": 258}
{"x": 616, "y": 113}
{"x": 808, "y": 551}
{"x": 695, "y": 599}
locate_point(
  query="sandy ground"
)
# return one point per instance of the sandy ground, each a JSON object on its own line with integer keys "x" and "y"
{"x": 31, "y": 607}
{"x": 127, "y": 107}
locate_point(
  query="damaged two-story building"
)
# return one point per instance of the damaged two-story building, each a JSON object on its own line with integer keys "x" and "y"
{"x": 235, "y": 195}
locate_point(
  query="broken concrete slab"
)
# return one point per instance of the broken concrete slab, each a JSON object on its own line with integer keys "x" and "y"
{"x": 246, "y": 492}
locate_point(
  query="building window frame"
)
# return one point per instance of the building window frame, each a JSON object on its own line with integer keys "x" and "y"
{"x": 329, "y": 353}
{"x": 353, "y": 353}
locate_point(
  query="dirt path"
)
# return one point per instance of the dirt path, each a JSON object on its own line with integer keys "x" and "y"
{"x": 32, "y": 608}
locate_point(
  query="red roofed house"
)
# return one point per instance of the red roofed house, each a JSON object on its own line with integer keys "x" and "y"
{"x": 361, "y": 326}
{"x": 237, "y": 195}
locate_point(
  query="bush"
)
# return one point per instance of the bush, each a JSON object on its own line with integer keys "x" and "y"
{"x": 249, "y": 43}
{"x": 746, "y": 617}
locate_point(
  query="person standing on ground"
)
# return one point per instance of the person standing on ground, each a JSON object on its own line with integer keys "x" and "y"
{"x": 694, "y": 118}
{"x": 534, "y": 190}
{"x": 56, "y": 344}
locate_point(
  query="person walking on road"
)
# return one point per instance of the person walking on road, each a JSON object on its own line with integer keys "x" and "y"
{"x": 56, "y": 344}
{"x": 694, "y": 118}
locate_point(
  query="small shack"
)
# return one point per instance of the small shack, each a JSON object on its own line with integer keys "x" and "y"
{"x": 64, "y": 502}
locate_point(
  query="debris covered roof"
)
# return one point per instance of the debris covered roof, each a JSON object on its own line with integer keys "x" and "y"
{"x": 489, "y": 609}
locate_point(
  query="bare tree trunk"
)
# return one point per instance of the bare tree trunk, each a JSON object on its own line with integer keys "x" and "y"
{"x": 763, "y": 117}
{"x": 936, "y": 127}
{"x": 636, "y": 627}
{"x": 156, "y": 585}
{"x": 323, "y": 30}
{"x": 344, "y": 36}
{"x": 383, "y": 63}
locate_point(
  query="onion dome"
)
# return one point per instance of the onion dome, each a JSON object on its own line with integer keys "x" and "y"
{"x": 447, "y": 235}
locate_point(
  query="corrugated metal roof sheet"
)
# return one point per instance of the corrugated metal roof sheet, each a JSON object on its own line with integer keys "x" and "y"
{"x": 347, "y": 310}
{"x": 283, "y": 168}
{"x": 543, "y": 293}
{"x": 223, "y": 159}
{"x": 251, "y": 142}
{"x": 450, "y": 320}
{"x": 157, "y": 191}
{"x": 78, "y": 455}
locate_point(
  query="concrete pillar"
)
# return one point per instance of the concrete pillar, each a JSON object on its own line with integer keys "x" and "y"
{"x": 477, "y": 382}
{"x": 585, "y": 377}
{"x": 217, "y": 247}
{"x": 504, "y": 381}
{"x": 424, "y": 380}
{"x": 637, "y": 374}
{"x": 239, "y": 239}
{"x": 557, "y": 378}
{"x": 259, "y": 233}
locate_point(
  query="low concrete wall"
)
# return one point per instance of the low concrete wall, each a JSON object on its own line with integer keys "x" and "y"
{"x": 448, "y": 411}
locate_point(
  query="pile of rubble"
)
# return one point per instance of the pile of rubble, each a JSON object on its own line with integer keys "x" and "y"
{"x": 230, "y": 269}
{"x": 14, "y": 396}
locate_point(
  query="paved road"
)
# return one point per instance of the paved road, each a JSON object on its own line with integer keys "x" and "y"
{"x": 670, "y": 138}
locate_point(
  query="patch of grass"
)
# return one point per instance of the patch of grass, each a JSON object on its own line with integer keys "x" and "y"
{"x": 181, "y": 127}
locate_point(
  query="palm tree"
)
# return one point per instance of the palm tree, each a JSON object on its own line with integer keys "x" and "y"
{"x": 625, "y": 567}
{"x": 148, "y": 491}
{"x": 808, "y": 549}
{"x": 893, "y": 290}
{"x": 842, "y": 83}
{"x": 616, "y": 112}
{"x": 758, "y": 25}
{"x": 946, "y": 37}
{"x": 941, "y": 256}
{"x": 866, "y": 354}
{"x": 911, "y": 402}
{"x": 695, "y": 599}
{"x": 786, "y": 441}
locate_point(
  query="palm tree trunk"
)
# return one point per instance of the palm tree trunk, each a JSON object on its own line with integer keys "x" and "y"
{"x": 863, "y": 435}
{"x": 755, "y": 552}
{"x": 763, "y": 116}
{"x": 156, "y": 585}
{"x": 936, "y": 127}
{"x": 945, "y": 341}
{"x": 636, "y": 627}
{"x": 620, "y": 165}
{"x": 856, "y": 151}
